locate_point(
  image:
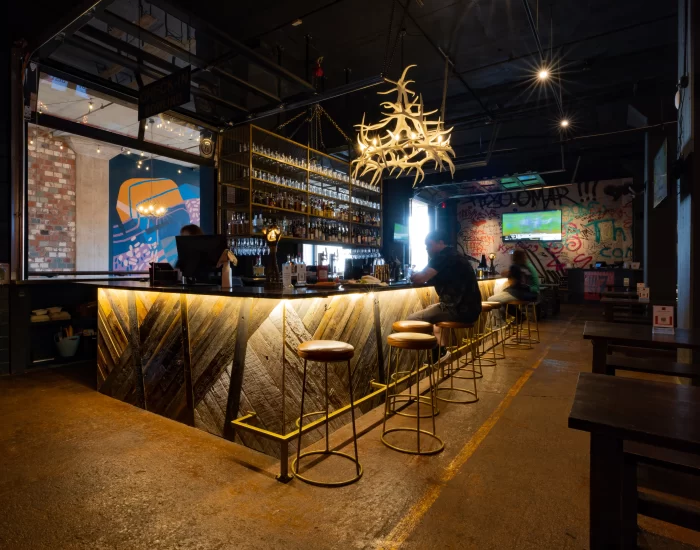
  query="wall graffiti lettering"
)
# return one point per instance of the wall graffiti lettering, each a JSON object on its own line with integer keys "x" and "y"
{"x": 595, "y": 227}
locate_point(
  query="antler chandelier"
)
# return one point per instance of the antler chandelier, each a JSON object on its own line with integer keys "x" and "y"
{"x": 405, "y": 140}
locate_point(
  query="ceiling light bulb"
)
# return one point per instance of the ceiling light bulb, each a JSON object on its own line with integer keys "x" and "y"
{"x": 90, "y": 105}
{"x": 413, "y": 135}
{"x": 543, "y": 74}
{"x": 61, "y": 147}
{"x": 141, "y": 153}
{"x": 147, "y": 168}
{"x": 179, "y": 171}
{"x": 98, "y": 148}
{"x": 31, "y": 142}
{"x": 374, "y": 141}
{"x": 439, "y": 139}
{"x": 564, "y": 123}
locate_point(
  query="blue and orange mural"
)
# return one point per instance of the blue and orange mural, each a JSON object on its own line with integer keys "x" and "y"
{"x": 138, "y": 240}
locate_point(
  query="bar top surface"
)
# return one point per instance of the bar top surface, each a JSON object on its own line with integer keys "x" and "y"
{"x": 252, "y": 291}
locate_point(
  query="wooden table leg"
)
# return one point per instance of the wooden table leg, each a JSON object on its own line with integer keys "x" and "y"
{"x": 600, "y": 351}
{"x": 607, "y": 470}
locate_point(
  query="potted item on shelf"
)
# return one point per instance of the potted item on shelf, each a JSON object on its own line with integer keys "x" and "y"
{"x": 67, "y": 342}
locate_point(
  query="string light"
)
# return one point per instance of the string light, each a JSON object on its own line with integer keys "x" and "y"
{"x": 90, "y": 106}
{"x": 148, "y": 167}
{"x": 179, "y": 171}
{"x": 98, "y": 149}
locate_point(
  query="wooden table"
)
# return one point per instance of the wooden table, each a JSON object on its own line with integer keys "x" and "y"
{"x": 611, "y": 303}
{"x": 618, "y": 334}
{"x": 630, "y": 294}
{"x": 615, "y": 410}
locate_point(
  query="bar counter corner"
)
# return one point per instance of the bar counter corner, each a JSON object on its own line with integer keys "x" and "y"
{"x": 206, "y": 356}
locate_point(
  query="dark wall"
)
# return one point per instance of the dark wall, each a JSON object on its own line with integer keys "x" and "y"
{"x": 5, "y": 204}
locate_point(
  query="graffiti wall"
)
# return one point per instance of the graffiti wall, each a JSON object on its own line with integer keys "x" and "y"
{"x": 136, "y": 239}
{"x": 596, "y": 227}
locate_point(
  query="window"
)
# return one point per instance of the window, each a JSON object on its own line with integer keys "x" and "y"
{"x": 87, "y": 200}
{"x": 418, "y": 229}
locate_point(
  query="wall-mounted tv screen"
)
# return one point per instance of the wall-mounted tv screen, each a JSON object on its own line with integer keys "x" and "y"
{"x": 400, "y": 233}
{"x": 532, "y": 226}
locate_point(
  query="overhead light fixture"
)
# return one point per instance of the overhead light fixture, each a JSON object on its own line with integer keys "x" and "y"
{"x": 98, "y": 149}
{"x": 296, "y": 22}
{"x": 564, "y": 123}
{"x": 148, "y": 167}
{"x": 179, "y": 171}
{"x": 90, "y": 106}
{"x": 410, "y": 139}
{"x": 543, "y": 74}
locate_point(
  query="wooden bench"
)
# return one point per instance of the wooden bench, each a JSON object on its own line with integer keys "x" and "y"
{"x": 660, "y": 505}
{"x": 617, "y": 411}
{"x": 653, "y": 366}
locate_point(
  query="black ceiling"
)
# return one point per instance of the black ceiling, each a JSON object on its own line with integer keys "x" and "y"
{"x": 610, "y": 56}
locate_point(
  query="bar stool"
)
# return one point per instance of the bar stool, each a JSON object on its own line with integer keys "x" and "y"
{"x": 500, "y": 328}
{"x": 483, "y": 331}
{"x": 472, "y": 374}
{"x": 327, "y": 351}
{"x": 422, "y": 327}
{"x": 521, "y": 340}
{"x": 417, "y": 342}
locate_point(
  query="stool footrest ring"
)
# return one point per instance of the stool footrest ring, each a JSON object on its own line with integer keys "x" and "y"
{"x": 409, "y": 399}
{"x": 295, "y": 467}
{"x": 463, "y": 390}
{"x": 413, "y": 451}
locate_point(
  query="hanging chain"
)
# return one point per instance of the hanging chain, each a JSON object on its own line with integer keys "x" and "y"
{"x": 388, "y": 38}
{"x": 290, "y": 120}
{"x": 335, "y": 124}
{"x": 444, "y": 90}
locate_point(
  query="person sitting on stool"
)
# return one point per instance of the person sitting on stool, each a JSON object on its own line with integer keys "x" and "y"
{"x": 455, "y": 283}
{"x": 523, "y": 282}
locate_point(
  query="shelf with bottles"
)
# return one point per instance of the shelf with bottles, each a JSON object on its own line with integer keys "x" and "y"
{"x": 274, "y": 150}
{"x": 365, "y": 236}
{"x": 290, "y": 228}
{"x": 260, "y": 176}
{"x": 360, "y": 186}
{"x": 235, "y": 175}
{"x": 238, "y": 223}
{"x": 330, "y": 231}
{"x": 376, "y": 224}
{"x": 281, "y": 200}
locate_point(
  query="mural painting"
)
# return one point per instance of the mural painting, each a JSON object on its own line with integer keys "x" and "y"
{"x": 596, "y": 227}
{"x": 137, "y": 240}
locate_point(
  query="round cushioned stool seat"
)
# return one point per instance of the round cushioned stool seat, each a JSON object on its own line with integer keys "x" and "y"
{"x": 487, "y": 306}
{"x": 413, "y": 326}
{"x": 494, "y": 305}
{"x": 411, "y": 340}
{"x": 325, "y": 350}
{"x": 454, "y": 324}
{"x": 518, "y": 302}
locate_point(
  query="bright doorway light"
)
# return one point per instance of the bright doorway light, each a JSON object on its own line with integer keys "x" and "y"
{"x": 418, "y": 229}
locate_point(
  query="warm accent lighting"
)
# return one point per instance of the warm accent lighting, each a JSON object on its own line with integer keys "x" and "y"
{"x": 410, "y": 140}
{"x": 564, "y": 123}
{"x": 98, "y": 150}
{"x": 543, "y": 74}
{"x": 151, "y": 210}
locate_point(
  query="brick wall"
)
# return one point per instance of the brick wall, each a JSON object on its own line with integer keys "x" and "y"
{"x": 51, "y": 203}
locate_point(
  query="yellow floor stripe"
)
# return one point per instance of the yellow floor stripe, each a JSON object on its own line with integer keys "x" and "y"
{"x": 409, "y": 522}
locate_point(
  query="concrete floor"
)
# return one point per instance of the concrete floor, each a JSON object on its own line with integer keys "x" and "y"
{"x": 80, "y": 470}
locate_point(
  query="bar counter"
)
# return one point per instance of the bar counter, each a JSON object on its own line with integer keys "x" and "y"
{"x": 206, "y": 356}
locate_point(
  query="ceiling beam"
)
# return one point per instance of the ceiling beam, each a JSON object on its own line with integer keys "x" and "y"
{"x": 123, "y": 46}
{"x": 48, "y": 44}
{"x": 158, "y": 41}
{"x": 228, "y": 41}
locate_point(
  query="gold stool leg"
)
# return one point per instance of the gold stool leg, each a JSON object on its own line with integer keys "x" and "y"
{"x": 327, "y": 452}
{"x": 433, "y": 405}
{"x": 471, "y": 396}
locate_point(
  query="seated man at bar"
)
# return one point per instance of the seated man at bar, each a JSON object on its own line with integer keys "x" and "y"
{"x": 523, "y": 281}
{"x": 455, "y": 283}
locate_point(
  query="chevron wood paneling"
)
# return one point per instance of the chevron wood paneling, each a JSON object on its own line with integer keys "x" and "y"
{"x": 142, "y": 359}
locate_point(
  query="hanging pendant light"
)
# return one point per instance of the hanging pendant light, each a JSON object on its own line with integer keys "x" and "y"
{"x": 405, "y": 140}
